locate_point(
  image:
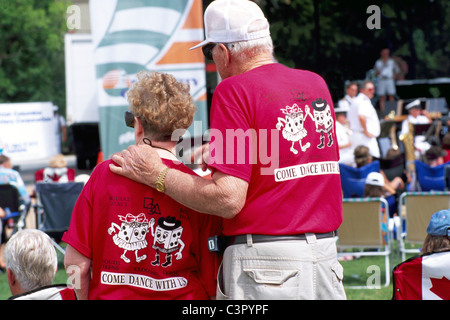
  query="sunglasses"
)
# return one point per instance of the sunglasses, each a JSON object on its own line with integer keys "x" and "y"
{"x": 207, "y": 50}
{"x": 129, "y": 119}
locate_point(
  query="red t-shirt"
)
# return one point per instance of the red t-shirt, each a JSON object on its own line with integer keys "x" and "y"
{"x": 276, "y": 126}
{"x": 143, "y": 244}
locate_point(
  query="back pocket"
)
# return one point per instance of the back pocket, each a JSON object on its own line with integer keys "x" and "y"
{"x": 271, "y": 284}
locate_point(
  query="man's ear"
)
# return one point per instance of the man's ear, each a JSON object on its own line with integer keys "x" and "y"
{"x": 225, "y": 54}
{"x": 12, "y": 281}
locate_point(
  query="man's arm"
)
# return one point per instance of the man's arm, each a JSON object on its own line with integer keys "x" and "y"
{"x": 223, "y": 195}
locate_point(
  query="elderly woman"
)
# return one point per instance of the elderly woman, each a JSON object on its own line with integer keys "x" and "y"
{"x": 140, "y": 243}
{"x": 31, "y": 264}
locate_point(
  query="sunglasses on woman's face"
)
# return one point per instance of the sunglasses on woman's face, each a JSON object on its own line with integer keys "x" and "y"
{"x": 207, "y": 50}
{"x": 129, "y": 119}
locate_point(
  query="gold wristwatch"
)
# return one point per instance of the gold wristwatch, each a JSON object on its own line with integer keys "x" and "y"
{"x": 159, "y": 185}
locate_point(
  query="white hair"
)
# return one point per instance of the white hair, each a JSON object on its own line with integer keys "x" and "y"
{"x": 32, "y": 258}
{"x": 244, "y": 50}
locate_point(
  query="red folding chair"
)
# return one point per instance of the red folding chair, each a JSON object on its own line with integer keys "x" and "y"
{"x": 424, "y": 277}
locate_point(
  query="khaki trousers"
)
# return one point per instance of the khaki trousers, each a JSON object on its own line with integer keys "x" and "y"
{"x": 281, "y": 270}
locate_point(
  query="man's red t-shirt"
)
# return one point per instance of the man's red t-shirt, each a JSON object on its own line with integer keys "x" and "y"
{"x": 273, "y": 127}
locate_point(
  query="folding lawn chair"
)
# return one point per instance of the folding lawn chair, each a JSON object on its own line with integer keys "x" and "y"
{"x": 418, "y": 209}
{"x": 10, "y": 201}
{"x": 354, "y": 179}
{"x": 430, "y": 178}
{"x": 361, "y": 228}
{"x": 55, "y": 202}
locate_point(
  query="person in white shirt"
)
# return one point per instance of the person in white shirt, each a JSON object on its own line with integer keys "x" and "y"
{"x": 343, "y": 134}
{"x": 385, "y": 70}
{"x": 351, "y": 91}
{"x": 364, "y": 121}
{"x": 416, "y": 116}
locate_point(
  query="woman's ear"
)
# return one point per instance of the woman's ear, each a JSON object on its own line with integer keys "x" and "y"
{"x": 138, "y": 130}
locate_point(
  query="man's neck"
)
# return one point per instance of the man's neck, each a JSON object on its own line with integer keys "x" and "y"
{"x": 255, "y": 62}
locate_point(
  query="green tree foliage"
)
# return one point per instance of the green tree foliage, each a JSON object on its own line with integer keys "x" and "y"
{"x": 331, "y": 37}
{"x": 32, "y": 50}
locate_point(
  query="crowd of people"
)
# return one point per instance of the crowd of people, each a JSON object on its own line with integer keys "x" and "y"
{"x": 358, "y": 127}
{"x": 147, "y": 227}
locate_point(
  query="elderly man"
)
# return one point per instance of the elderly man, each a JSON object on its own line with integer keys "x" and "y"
{"x": 364, "y": 121}
{"x": 281, "y": 211}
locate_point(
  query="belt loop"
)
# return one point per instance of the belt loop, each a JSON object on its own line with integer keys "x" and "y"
{"x": 249, "y": 240}
{"x": 310, "y": 238}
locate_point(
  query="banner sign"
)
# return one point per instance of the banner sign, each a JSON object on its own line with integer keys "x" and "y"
{"x": 28, "y": 131}
{"x": 154, "y": 35}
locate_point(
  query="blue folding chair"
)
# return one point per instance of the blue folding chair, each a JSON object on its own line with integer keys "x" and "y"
{"x": 353, "y": 179}
{"x": 430, "y": 178}
{"x": 10, "y": 203}
{"x": 54, "y": 209}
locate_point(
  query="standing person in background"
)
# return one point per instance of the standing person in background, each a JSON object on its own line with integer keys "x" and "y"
{"x": 343, "y": 134}
{"x": 386, "y": 70}
{"x": 364, "y": 121}
{"x": 277, "y": 220}
{"x": 59, "y": 123}
{"x": 351, "y": 91}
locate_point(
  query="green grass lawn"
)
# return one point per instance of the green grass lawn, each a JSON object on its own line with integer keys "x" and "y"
{"x": 359, "y": 271}
{"x": 367, "y": 270}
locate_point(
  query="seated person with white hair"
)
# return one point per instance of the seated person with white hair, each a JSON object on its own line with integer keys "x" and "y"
{"x": 31, "y": 265}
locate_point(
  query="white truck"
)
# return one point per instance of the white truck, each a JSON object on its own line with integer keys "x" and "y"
{"x": 81, "y": 100}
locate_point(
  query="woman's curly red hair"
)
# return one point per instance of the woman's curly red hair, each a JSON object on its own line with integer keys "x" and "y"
{"x": 161, "y": 103}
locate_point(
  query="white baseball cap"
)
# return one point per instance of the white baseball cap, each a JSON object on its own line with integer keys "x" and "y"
{"x": 229, "y": 21}
{"x": 341, "y": 109}
{"x": 375, "y": 179}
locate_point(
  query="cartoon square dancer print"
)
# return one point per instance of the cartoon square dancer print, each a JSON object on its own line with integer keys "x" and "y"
{"x": 323, "y": 120}
{"x": 292, "y": 125}
{"x": 167, "y": 239}
{"x": 131, "y": 235}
